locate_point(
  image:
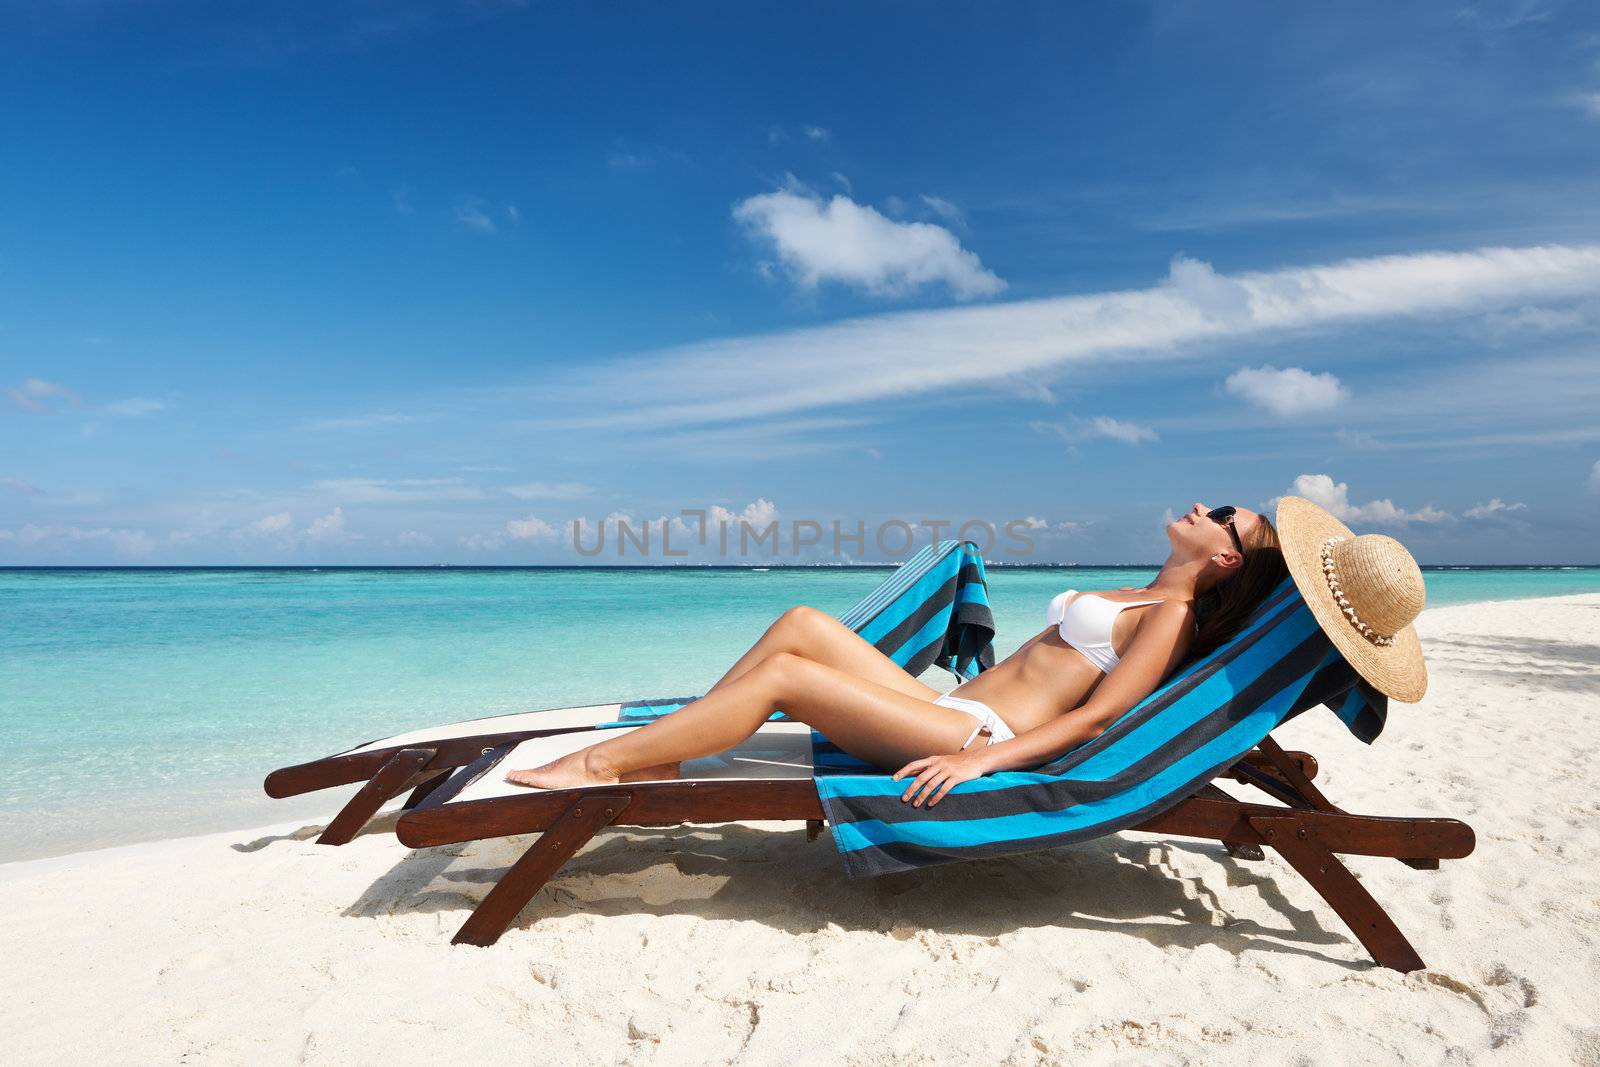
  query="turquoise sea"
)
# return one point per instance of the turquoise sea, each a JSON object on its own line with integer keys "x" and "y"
{"x": 138, "y": 704}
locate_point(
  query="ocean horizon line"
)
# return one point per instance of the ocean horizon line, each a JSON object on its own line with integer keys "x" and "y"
{"x": 853, "y": 565}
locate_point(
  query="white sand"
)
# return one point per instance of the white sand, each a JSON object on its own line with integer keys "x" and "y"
{"x": 744, "y": 942}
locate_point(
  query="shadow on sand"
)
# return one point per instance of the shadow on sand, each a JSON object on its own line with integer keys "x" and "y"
{"x": 382, "y": 823}
{"x": 1544, "y": 664}
{"x": 739, "y": 873}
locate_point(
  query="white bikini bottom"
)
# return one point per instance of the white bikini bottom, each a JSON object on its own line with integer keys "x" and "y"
{"x": 988, "y": 721}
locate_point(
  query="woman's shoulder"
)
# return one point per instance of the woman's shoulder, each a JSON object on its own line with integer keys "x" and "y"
{"x": 1169, "y": 612}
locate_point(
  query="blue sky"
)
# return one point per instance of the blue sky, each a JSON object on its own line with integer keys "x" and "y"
{"x": 388, "y": 282}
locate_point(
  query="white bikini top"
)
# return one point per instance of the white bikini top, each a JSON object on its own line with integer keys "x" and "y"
{"x": 1085, "y": 622}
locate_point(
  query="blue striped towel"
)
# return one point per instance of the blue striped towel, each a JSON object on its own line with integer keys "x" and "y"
{"x": 1194, "y": 727}
{"x": 932, "y": 611}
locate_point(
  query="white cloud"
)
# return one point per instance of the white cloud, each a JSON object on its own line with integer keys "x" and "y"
{"x": 514, "y": 213}
{"x": 759, "y": 514}
{"x": 907, "y": 353}
{"x": 482, "y": 542}
{"x": 549, "y": 490}
{"x": 38, "y": 395}
{"x": 1098, "y": 426}
{"x": 1321, "y": 489}
{"x": 401, "y": 199}
{"x": 274, "y": 524}
{"x": 816, "y": 133}
{"x": 1287, "y": 392}
{"x": 412, "y": 539}
{"x": 17, "y": 485}
{"x": 1216, "y": 297}
{"x": 1594, "y": 478}
{"x": 1033, "y": 522}
{"x": 135, "y": 407}
{"x": 839, "y": 240}
{"x": 531, "y": 528}
{"x": 330, "y": 529}
{"x": 1494, "y": 507}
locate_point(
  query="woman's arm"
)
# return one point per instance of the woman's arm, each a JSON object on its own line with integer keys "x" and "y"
{"x": 1159, "y": 645}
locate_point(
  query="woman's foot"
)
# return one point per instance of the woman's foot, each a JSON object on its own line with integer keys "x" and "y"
{"x": 582, "y": 768}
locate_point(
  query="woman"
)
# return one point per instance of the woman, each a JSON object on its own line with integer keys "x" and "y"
{"x": 1101, "y": 655}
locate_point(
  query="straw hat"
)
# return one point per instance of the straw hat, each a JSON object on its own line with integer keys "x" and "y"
{"x": 1364, "y": 591}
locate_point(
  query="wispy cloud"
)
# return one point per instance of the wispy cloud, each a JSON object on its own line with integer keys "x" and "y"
{"x": 838, "y": 240}
{"x": 17, "y": 485}
{"x": 472, "y": 213}
{"x": 775, "y": 439}
{"x": 946, "y": 210}
{"x": 134, "y": 407}
{"x": 1537, "y": 320}
{"x": 40, "y": 396}
{"x": 1286, "y": 392}
{"x": 1588, "y": 102}
{"x": 397, "y": 490}
{"x": 1215, "y": 213}
{"x": 917, "y": 352}
{"x": 377, "y": 420}
{"x": 271, "y": 524}
{"x": 279, "y": 526}
{"x": 1098, "y": 426}
{"x": 549, "y": 490}
{"x": 124, "y": 541}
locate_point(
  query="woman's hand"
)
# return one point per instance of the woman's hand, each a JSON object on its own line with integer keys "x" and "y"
{"x": 937, "y": 775}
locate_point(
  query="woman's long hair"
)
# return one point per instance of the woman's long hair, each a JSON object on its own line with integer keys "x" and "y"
{"x": 1223, "y": 610}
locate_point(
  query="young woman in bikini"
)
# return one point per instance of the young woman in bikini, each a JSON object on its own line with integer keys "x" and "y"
{"x": 1101, "y": 654}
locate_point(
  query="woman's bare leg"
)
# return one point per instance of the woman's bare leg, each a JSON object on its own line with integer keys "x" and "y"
{"x": 816, "y": 635}
{"x": 870, "y": 721}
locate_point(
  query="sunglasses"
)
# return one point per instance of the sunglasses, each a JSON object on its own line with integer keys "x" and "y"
{"x": 1223, "y": 516}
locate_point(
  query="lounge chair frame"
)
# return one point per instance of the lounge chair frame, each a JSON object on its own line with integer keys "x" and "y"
{"x": 422, "y": 767}
{"x": 1305, "y": 828}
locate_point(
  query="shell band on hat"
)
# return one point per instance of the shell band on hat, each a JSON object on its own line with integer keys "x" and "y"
{"x": 1331, "y": 573}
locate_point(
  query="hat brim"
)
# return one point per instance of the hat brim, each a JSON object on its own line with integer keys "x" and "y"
{"x": 1398, "y": 670}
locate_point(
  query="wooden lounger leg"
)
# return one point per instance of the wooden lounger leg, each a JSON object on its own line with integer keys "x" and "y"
{"x": 401, "y": 772}
{"x": 586, "y": 817}
{"x": 1341, "y": 889}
